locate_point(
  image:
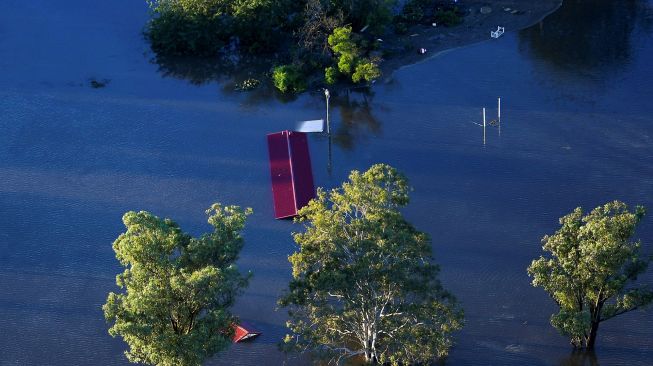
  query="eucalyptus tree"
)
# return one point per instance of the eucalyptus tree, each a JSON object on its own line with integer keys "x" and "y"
{"x": 591, "y": 269}
{"x": 364, "y": 283}
{"x": 176, "y": 289}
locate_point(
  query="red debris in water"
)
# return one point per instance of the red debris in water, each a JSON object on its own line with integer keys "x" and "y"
{"x": 244, "y": 331}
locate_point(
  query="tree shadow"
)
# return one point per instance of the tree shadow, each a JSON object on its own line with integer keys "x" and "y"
{"x": 587, "y": 37}
{"x": 580, "y": 358}
{"x": 353, "y": 104}
{"x": 229, "y": 72}
{"x": 357, "y": 119}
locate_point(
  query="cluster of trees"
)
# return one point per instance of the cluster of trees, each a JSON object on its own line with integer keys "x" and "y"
{"x": 307, "y": 36}
{"x": 363, "y": 285}
{"x": 205, "y": 27}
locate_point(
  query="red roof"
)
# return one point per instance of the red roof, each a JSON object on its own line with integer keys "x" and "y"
{"x": 291, "y": 172}
{"x": 243, "y": 332}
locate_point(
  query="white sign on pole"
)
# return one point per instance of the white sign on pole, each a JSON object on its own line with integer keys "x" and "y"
{"x": 316, "y": 125}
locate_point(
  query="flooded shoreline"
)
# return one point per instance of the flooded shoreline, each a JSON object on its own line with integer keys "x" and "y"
{"x": 475, "y": 28}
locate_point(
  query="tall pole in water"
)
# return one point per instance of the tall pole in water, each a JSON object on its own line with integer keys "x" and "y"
{"x": 329, "y": 161}
{"x": 326, "y": 95}
{"x": 483, "y": 126}
{"x": 499, "y": 114}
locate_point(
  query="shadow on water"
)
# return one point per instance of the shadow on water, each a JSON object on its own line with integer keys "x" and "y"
{"x": 590, "y": 38}
{"x": 357, "y": 119}
{"x": 353, "y": 105}
{"x": 580, "y": 358}
{"x": 197, "y": 71}
{"x": 228, "y": 73}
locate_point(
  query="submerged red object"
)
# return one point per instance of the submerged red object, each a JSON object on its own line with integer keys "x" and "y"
{"x": 244, "y": 331}
{"x": 291, "y": 173}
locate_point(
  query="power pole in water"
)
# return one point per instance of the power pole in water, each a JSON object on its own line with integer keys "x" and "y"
{"x": 327, "y": 96}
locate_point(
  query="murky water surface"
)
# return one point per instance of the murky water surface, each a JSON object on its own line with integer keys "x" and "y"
{"x": 577, "y": 129}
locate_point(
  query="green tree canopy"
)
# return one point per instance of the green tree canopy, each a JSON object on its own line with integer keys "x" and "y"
{"x": 343, "y": 44}
{"x": 203, "y": 27}
{"x": 288, "y": 78}
{"x": 363, "y": 279}
{"x": 177, "y": 289}
{"x": 590, "y": 270}
{"x": 366, "y": 70}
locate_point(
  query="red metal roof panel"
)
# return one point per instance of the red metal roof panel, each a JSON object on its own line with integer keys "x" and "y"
{"x": 290, "y": 172}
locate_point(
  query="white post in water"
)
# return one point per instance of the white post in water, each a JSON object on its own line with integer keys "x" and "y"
{"x": 328, "y": 125}
{"x": 499, "y": 114}
{"x": 326, "y": 95}
{"x": 483, "y": 126}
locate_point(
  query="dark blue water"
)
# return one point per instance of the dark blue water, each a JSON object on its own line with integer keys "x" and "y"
{"x": 577, "y": 129}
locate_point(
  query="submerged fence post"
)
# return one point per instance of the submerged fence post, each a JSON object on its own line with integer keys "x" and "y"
{"x": 483, "y": 125}
{"x": 499, "y": 114}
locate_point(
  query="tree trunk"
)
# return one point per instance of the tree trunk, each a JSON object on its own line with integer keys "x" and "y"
{"x": 594, "y": 328}
{"x": 370, "y": 354}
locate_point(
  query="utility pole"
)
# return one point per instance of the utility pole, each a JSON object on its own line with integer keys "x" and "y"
{"x": 328, "y": 124}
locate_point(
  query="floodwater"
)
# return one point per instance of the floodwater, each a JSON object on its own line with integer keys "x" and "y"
{"x": 576, "y": 130}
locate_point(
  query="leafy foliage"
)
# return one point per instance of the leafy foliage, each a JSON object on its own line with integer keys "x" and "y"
{"x": 590, "y": 270}
{"x": 363, "y": 279}
{"x": 187, "y": 27}
{"x": 349, "y": 59}
{"x": 341, "y": 42}
{"x": 331, "y": 75}
{"x": 366, "y": 70}
{"x": 203, "y": 27}
{"x": 177, "y": 289}
{"x": 288, "y": 78}
{"x": 220, "y": 27}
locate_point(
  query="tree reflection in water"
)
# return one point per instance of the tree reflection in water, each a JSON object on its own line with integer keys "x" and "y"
{"x": 588, "y": 37}
{"x": 352, "y": 105}
{"x": 357, "y": 119}
{"x": 226, "y": 72}
{"x": 580, "y": 358}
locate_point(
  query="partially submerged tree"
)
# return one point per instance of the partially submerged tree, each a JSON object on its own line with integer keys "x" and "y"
{"x": 363, "y": 279}
{"x": 204, "y": 27}
{"x": 350, "y": 62}
{"x": 590, "y": 270}
{"x": 177, "y": 289}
